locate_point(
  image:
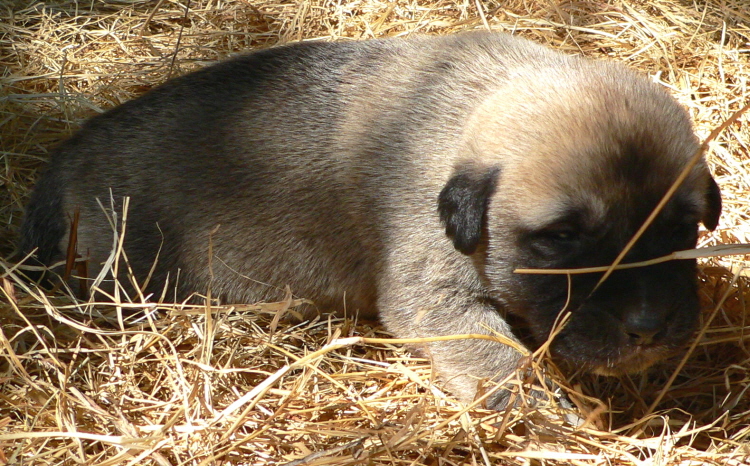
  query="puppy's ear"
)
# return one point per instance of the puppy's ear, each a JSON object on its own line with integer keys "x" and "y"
{"x": 463, "y": 205}
{"x": 713, "y": 195}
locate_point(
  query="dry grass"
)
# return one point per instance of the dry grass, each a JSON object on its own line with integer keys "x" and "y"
{"x": 171, "y": 384}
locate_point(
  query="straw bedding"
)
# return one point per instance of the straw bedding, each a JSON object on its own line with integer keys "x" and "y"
{"x": 170, "y": 384}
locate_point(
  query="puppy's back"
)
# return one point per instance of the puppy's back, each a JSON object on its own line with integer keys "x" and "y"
{"x": 299, "y": 155}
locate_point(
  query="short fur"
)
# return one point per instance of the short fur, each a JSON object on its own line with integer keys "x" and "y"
{"x": 408, "y": 178}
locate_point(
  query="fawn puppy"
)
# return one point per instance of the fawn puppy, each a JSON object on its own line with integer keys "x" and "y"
{"x": 406, "y": 178}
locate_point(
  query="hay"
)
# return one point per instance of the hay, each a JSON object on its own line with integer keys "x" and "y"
{"x": 171, "y": 384}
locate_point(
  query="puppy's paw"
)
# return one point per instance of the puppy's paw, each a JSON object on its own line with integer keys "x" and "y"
{"x": 548, "y": 397}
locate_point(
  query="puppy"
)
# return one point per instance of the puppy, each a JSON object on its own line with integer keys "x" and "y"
{"x": 407, "y": 178}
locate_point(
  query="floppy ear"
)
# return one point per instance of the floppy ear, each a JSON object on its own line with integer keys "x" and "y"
{"x": 713, "y": 195}
{"x": 463, "y": 205}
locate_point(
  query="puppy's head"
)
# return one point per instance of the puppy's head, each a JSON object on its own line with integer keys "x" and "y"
{"x": 561, "y": 174}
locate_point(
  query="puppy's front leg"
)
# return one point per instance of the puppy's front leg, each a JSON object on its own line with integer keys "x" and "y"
{"x": 461, "y": 364}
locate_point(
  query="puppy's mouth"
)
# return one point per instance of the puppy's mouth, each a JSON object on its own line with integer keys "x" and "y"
{"x": 610, "y": 347}
{"x": 616, "y": 359}
{"x": 605, "y": 348}
{"x": 637, "y": 360}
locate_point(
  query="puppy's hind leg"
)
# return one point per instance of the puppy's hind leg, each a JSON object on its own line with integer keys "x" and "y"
{"x": 44, "y": 226}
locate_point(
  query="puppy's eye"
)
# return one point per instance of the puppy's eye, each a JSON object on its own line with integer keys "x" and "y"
{"x": 562, "y": 236}
{"x": 556, "y": 240}
{"x": 560, "y": 233}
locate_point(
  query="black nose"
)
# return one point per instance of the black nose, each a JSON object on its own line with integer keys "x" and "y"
{"x": 644, "y": 329}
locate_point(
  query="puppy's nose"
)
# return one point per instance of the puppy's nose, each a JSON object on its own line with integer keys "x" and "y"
{"x": 644, "y": 329}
